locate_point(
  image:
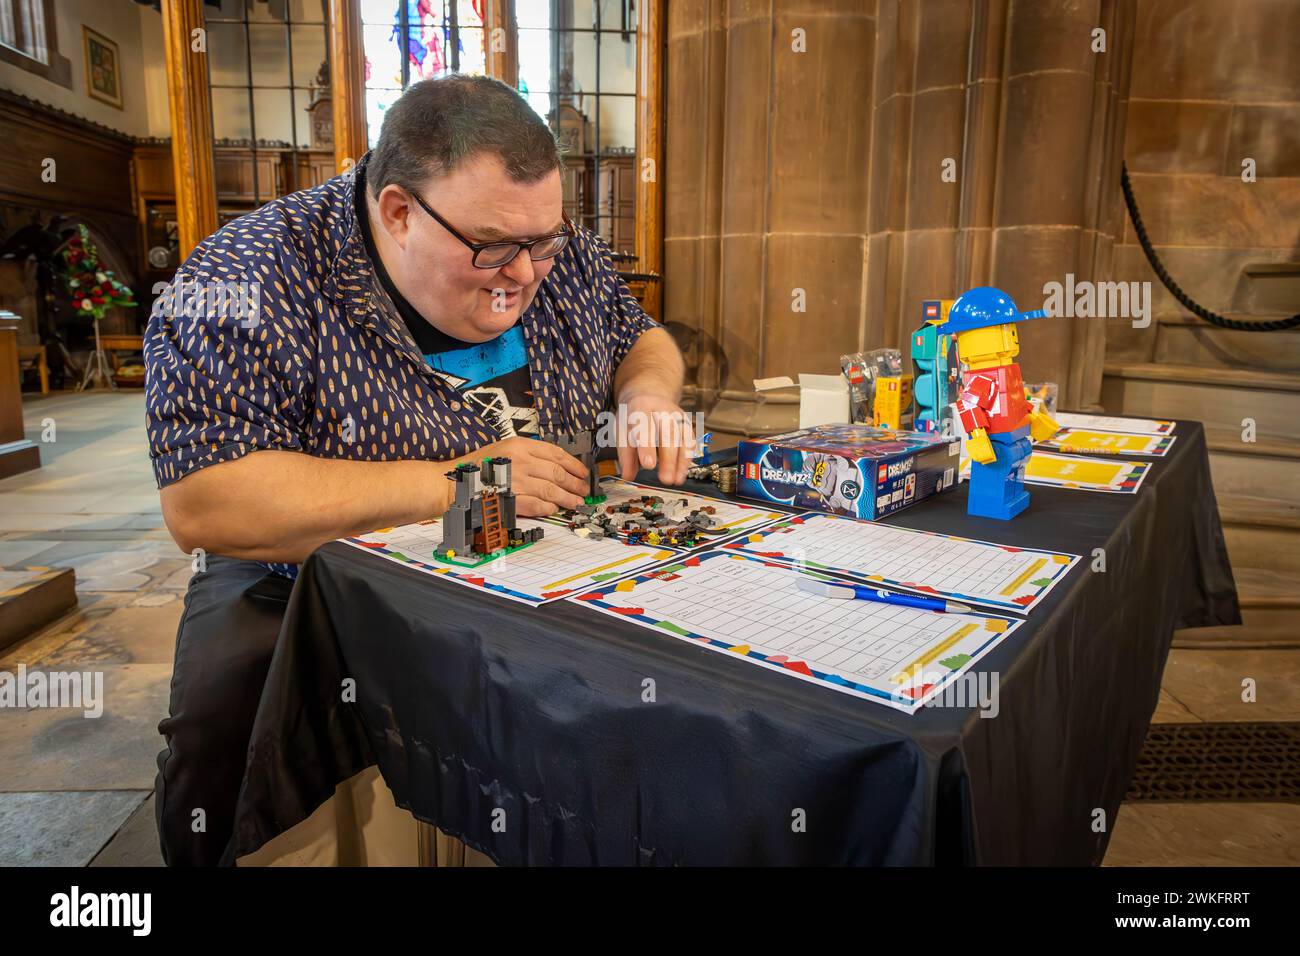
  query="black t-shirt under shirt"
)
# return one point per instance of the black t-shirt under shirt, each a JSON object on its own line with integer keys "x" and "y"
{"x": 491, "y": 376}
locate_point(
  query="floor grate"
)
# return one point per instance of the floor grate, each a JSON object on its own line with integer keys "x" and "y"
{"x": 1219, "y": 761}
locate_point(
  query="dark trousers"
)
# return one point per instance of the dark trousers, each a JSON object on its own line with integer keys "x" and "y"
{"x": 227, "y": 634}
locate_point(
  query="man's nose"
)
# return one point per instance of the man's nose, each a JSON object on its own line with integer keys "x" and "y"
{"x": 520, "y": 269}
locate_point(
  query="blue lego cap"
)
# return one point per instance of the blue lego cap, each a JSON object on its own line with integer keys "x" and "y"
{"x": 984, "y": 307}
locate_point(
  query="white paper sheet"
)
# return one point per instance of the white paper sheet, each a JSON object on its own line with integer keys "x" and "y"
{"x": 962, "y": 569}
{"x": 553, "y": 568}
{"x": 1093, "y": 441}
{"x": 1111, "y": 475}
{"x": 1111, "y": 423}
{"x": 752, "y": 610}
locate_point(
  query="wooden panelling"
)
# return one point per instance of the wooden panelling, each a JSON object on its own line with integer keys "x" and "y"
{"x": 278, "y": 172}
{"x": 91, "y": 165}
{"x": 234, "y": 174}
{"x": 153, "y": 172}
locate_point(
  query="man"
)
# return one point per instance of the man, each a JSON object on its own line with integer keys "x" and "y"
{"x": 436, "y": 306}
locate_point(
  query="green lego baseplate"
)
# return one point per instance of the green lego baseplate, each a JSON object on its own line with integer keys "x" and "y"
{"x": 457, "y": 562}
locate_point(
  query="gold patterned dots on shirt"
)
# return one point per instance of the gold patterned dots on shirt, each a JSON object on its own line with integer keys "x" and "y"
{"x": 324, "y": 348}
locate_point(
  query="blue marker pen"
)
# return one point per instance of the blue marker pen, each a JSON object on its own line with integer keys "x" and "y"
{"x": 860, "y": 592}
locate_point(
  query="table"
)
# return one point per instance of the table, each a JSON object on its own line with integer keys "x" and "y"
{"x": 526, "y": 733}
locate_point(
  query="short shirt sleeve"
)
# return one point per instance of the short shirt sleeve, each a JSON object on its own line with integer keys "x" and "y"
{"x": 625, "y": 319}
{"x": 227, "y": 365}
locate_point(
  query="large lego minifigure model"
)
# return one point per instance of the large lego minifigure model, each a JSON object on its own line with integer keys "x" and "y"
{"x": 481, "y": 520}
{"x": 999, "y": 422}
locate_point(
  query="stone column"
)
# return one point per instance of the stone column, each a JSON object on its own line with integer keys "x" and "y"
{"x": 806, "y": 146}
{"x": 766, "y": 191}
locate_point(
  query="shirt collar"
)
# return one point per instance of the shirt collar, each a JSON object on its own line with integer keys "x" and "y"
{"x": 356, "y": 285}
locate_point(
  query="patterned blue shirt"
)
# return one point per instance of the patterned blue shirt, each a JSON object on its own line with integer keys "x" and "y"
{"x": 319, "y": 361}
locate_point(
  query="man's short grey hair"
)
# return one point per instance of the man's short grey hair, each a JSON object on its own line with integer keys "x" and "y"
{"x": 437, "y": 124}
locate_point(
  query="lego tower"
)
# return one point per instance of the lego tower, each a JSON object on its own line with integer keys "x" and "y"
{"x": 481, "y": 519}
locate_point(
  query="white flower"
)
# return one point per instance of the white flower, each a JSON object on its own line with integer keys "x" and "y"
{"x": 100, "y": 277}
{"x": 87, "y": 304}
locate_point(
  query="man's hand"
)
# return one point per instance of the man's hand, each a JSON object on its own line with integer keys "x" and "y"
{"x": 980, "y": 448}
{"x": 1042, "y": 426}
{"x": 659, "y": 434}
{"x": 544, "y": 477}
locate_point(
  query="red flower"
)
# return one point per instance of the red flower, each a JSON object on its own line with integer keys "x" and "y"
{"x": 97, "y": 299}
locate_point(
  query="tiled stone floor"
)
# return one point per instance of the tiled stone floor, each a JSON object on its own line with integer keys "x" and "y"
{"x": 78, "y": 791}
{"x": 69, "y": 783}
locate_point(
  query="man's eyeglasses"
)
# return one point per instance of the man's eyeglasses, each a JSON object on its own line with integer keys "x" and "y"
{"x": 494, "y": 255}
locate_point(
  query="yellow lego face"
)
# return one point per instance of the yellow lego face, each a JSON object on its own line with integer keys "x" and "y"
{"x": 995, "y": 345}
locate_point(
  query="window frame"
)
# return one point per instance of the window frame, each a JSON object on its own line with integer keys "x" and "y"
{"x": 58, "y": 69}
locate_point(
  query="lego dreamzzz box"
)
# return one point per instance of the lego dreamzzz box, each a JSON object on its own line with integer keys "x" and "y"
{"x": 853, "y": 470}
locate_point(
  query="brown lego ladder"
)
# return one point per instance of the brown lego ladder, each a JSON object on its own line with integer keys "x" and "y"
{"x": 493, "y": 536}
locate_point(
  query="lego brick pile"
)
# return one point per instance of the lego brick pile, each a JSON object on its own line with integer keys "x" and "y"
{"x": 646, "y": 520}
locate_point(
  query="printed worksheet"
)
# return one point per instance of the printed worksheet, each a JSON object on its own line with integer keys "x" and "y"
{"x": 961, "y": 569}
{"x": 1081, "y": 474}
{"x": 1110, "y": 423}
{"x": 552, "y": 568}
{"x": 1086, "y": 441}
{"x": 751, "y": 609}
{"x": 731, "y": 516}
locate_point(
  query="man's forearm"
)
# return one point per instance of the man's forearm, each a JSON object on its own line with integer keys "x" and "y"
{"x": 653, "y": 366}
{"x": 280, "y": 506}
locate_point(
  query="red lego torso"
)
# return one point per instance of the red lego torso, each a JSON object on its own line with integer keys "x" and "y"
{"x": 993, "y": 399}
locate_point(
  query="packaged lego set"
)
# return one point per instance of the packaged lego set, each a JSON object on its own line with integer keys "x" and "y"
{"x": 880, "y": 392}
{"x": 853, "y": 470}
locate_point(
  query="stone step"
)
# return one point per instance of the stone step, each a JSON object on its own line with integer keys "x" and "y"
{"x": 1189, "y": 341}
{"x": 1267, "y": 468}
{"x": 1220, "y": 397}
{"x": 1270, "y": 613}
{"x": 1261, "y": 532}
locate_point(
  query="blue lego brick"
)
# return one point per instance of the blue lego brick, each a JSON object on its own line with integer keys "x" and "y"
{"x": 998, "y": 490}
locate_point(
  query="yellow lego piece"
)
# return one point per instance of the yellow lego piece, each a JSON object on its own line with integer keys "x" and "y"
{"x": 989, "y": 347}
{"x": 980, "y": 448}
{"x": 892, "y": 399}
{"x": 1042, "y": 426}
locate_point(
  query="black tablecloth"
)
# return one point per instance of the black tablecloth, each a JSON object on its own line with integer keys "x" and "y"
{"x": 472, "y": 704}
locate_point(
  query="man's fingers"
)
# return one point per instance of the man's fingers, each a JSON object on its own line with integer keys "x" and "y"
{"x": 555, "y": 453}
{"x": 668, "y": 455}
{"x": 673, "y": 462}
{"x": 556, "y": 475}
{"x": 627, "y": 462}
{"x": 683, "y": 462}
{"x": 675, "y": 445}
{"x": 548, "y": 491}
{"x": 531, "y": 507}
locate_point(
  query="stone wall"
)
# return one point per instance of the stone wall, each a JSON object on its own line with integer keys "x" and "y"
{"x": 805, "y": 146}
{"x": 1213, "y": 84}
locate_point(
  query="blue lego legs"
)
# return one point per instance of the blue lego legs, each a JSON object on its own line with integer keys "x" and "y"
{"x": 998, "y": 490}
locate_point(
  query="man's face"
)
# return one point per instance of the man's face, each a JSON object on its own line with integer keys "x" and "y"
{"x": 436, "y": 272}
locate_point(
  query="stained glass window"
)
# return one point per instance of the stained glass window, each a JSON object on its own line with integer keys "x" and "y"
{"x": 410, "y": 40}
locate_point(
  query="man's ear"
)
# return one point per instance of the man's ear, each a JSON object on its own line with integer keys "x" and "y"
{"x": 395, "y": 207}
